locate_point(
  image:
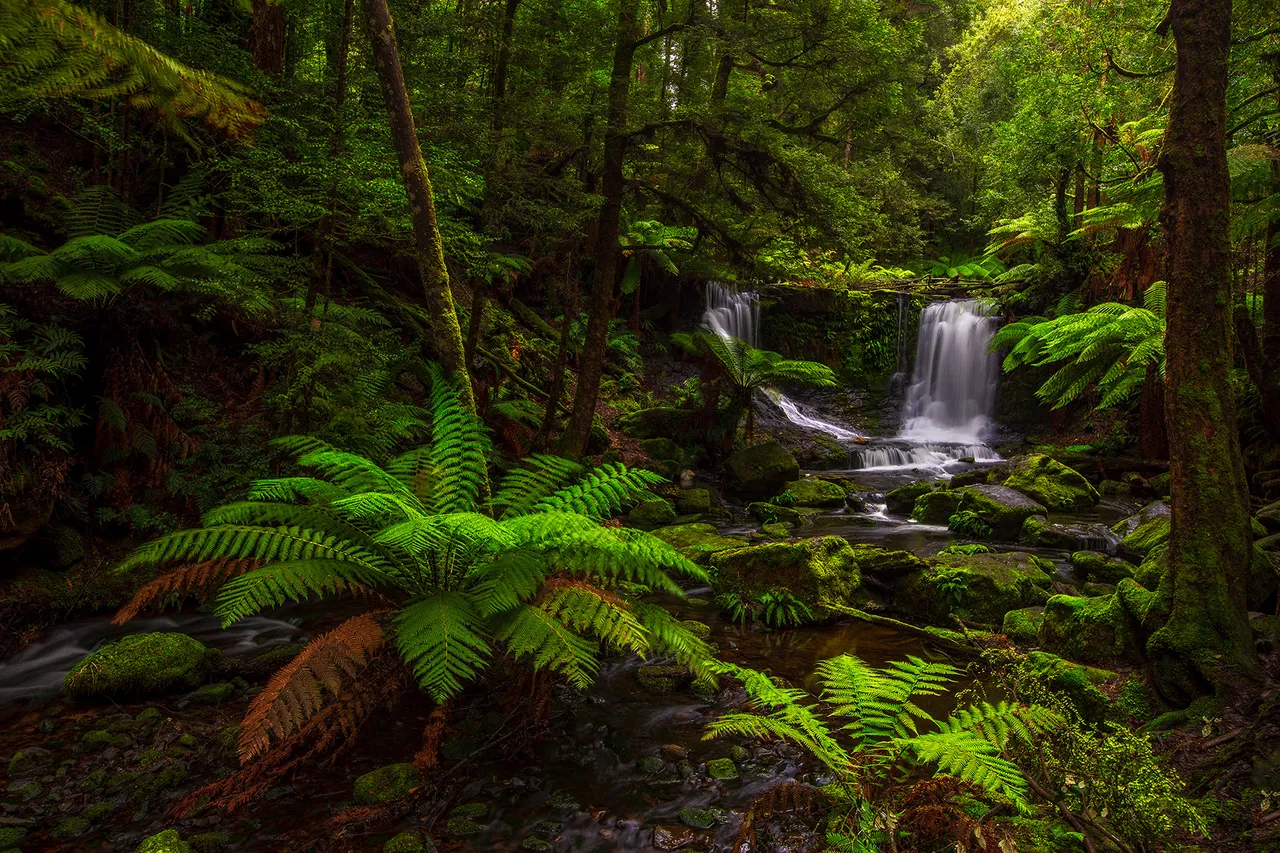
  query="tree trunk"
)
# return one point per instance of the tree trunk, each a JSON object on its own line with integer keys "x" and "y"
{"x": 1271, "y": 279}
{"x": 1261, "y": 370}
{"x": 1153, "y": 436}
{"x": 266, "y": 36}
{"x": 417, "y": 184}
{"x": 1205, "y": 645}
{"x": 600, "y": 309}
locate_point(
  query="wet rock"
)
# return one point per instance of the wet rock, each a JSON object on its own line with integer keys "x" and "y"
{"x": 968, "y": 478}
{"x": 29, "y": 761}
{"x": 650, "y": 765}
{"x": 539, "y": 845}
{"x": 903, "y": 499}
{"x": 11, "y": 836}
{"x": 1039, "y": 532}
{"x": 693, "y": 501}
{"x": 1003, "y": 509}
{"x": 649, "y": 514}
{"x": 662, "y": 448}
{"x": 140, "y": 665}
{"x": 739, "y": 753}
{"x": 722, "y": 768}
{"x": 1113, "y": 488}
{"x": 1023, "y": 625}
{"x": 761, "y": 470}
{"x": 1100, "y": 568}
{"x": 25, "y": 791}
{"x": 697, "y": 818}
{"x": 1089, "y": 630}
{"x": 660, "y": 679}
{"x": 776, "y": 530}
{"x": 884, "y": 563}
{"x": 771, "y": 513}
{"x": 814, "y": 491}
{"x": 935, "y": 507}
{"x": 210, "y": 842}
{"x": 168, "y": 841}
{"x": 674, "y": 837}
{"x": 386, "y": 784}
{"x": 818, "y": 571}
{"x": 1052, "y": 484}
{"x": 72, "y": 827}
{"x": 697, "y": 542}
{"x": 1153, "y": 510}
{"x": 1146, "y": 537}
{"x": 674, "y": 752}
{"x": 1161, "y": 484}
{"x": 979, "y": 587}
{"x": 213, "y": 694}
{"x": 462, "y": 827}
{"x": 471, "y": 810}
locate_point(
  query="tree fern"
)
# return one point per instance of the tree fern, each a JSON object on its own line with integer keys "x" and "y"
{"x": 532, "y": 574}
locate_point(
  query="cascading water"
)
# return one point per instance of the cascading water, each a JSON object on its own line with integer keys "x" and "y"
{"x": 947, "y": 413}
{"x": 736, "y": 314}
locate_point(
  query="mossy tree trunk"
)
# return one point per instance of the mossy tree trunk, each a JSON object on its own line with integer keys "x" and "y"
{"x": 267, "y": 36}
{"x": 608, "y": 225}
{"x": 446, "y": 331}
{"x": 1205, "y": 645}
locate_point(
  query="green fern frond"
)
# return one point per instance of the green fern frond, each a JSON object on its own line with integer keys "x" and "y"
{"x": 590, "y": 610}
{"x": 533, "y": 632}
{"x": 538, "y": 478}
{"x": 602, "y": 493}
{"x": 441, "y": 636}
{"x": 459, "y": 445}
{"x": 281, "y": 581}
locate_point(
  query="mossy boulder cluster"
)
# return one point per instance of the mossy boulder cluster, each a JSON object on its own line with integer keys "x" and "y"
{"x": 977, "y": 587}
{"x": 141, "y": 665}
{"x": 821, "y": 572}
{"x": 814, "y": 492}
{"x": 1049, "y": 482}
{"x": 697, "y": 541}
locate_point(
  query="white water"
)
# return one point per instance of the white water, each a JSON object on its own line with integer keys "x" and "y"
{"x": 927, "y": 456}
{"x": 736, "y": 314}
{"x": 953, "y": 388}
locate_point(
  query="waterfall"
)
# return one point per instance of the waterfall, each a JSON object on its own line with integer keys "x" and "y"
{"x": 953, "y": 388}
{"x": 736, "y": 314}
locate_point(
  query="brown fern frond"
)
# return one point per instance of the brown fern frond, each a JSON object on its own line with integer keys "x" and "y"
{"x": 555, "y": 584}
{"x": 792, "y": 801}
{"x": 330, "y": 732}
{"x": 934, "y": 820}
{"x": 432, "y": 736}
{"x": 184, "y": 579}
{"x": 294, "y": 695}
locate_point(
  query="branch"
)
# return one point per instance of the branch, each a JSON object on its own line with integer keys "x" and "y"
{"x": 1134, "y": 75}
{"x": 662, "y": 33}
{"x": 1250, "y": 120}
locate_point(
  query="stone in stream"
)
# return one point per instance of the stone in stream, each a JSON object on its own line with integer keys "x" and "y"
{"x": 1100, "y": 568}
{"x": 1002, "y": 508}
{"x": 675, "y": 837}
{"x": 1146, "y": 537}
{"x": 1039, "y": 532}
{"x": 1049, "y": 482}
{"x": 762, "y": 469}
{"x": 168, "y": 841}
{"x": 722, "y": 769}
{"x": 409, "y": 841}
{"x": 698, "y": 541}
{"x": 813, "y": 491}
{"x": 141, "y": 665}
{"x": 978, "y": 587}
{"x": 902, "y": 500}
{"x": 1155, "y": 509}
{"x": 935, "y": 507}
{"x": 818, "y": 571}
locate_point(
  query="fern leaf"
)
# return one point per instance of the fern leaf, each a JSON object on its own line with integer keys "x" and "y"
{"x": 442, "y": 638}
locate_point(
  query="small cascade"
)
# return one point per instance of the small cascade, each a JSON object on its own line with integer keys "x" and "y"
{"x": 736, "y": 314}
{"x": 927, "y": 456}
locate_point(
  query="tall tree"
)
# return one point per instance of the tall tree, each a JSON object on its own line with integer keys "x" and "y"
{"x": 417, "y": 184}
{"x": 1205, "y": 644}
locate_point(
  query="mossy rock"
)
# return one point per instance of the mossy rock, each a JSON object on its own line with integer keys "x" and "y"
{"x": 168, "y": 841}
{"x": 1002, "y": 508}
{"x": 979, "y": 587}
{"x": 1100, "y": 568}
{"x": 698, "y": 818}
{"x": 1260, "y": 591}
{"x": 662, "y": 448}
{"x": 678, "y": 425}
{"x": 762, "y": 469}
{"x": 141, "y": 665}
{"x": 1151, "y": 570}
{"x": 697, "y": 541}
{"x": 72, "y": 827}
{"x": 210, "y": 842}
{"x": 1265, "y": 626}
{"x": 29, "y": 762}
{"x": 1113, "y": 488}
{"x": 650, "y": 765}
{"x": 1039, "y": 532}
{"x": 660, "y": 679}
{"x": 1052, "y": 484}
{"x": 1077, "y": 682}
{"x": 814, "y": 491}
{"x": 693, "y": 501}
{"x": 11, "y": 836}
{"x": 386, "y": 784}
{"x": 214, "y": 694}
{"x": 1146, "y": 536}
{"x": 885, "y": 563}
{"x": 936, "y": 507}
{"x": 1023, "y": 625}
{"x": 722, "y": 768}
{"x": 967, "y": 478}
{"x": 902, "y": 500}
{"x": 776, "y": 530}
{"x": 1089, "y": 630}
{"x": 462, "y": 827}
{"x": 1161, "y": 484}
{"x": 536, "y": 845}
{"x": 818, "y": 571}
{"x": 651, "y": 513}
{"x": 701, "y": 630}
{"x": 408, "y": 841}
{"x": 1269, "y": 517}
{"x": 1153, "y": 510}
{"x": 768, "y": 513}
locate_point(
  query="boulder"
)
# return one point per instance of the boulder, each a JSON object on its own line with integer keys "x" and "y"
{"x": 1089, "y": 630}
{"x": 813, "y": 491}
{"x": 1161, "y": 484}
{"x": 1113, "y": 488}
{"x": 652, "y": 513}
{"x": 968, "y": 478}
{"x": 1145, "y": 537}
{"x": 141, "y": 665}
{"x": 902, "y": 500}
{"x": 762, "y": 469}
{"x": 1039, "y": 532}
{"x": 1100, "y": 568}
{"x": 168, "y": 841}
{"x": 697, "y": 541}
{"x": 1023, "y": 625}
{"x": 1077, "y": 682}
{"x": 1052, "y": 484}
{"x": 819, "y": 571}
{"x": 662, "y": 448}
{"x": 693, "y": 501}
{"x": 1155, "y": 509}
{"x": 769, "y": 513}
{"x": 979, "y": 587}
{"x": 1002, "y": 508}
{"x": 385, "y": 785}
{"x": 1151, "y": 569}
{"x": 936, "y": 507}
{"x": 885, "y": 564}
{"x": 679, "y": 425}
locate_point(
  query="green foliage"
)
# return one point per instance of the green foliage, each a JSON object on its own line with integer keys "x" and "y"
{"x": 530, "y": 572}
{"x": 969, "y": 523}
{"x": 775, "y": 609}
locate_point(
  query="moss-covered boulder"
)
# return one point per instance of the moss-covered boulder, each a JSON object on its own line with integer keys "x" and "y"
{"x": 168, "y": 841}
{"x": 652, "y": 513}
{"x": 1023, "y": 625}
{"x": 678, "y": 425}
{"x": 769, "y": 513}
{"x": 697, "y": 541}
{"x": 662, "y": 448}
{"x": 978, "y": 587}
{"x": 1089, "y": 630}
{"x": 1039, "y": 532}
{"x": 1153, "y": 510}
{"x": 1145, "y": 537}
{"x": 693, "y": 501}
{"x": 814, "y": 491}
{"x": 1077, "y": 682}
{"x": 1100, "y": 568}
{"x": 902, "y": 500}
{"x": 406, "y": 842}
{"x": 385, "y": 785}
{"x": 1161, "y": 484}
{"x": 1000, "y": 507}
{"x": 884, "y": 563}
{"x": 762, "y": 469}
{"x": 1049, "y": 482}
{"x": 776, "y": 530}
{"x": 141, "y": 665}
{"x": 819, "y": 571}
{"x": 936, "y": 507}
{"x": 722, "y": 769}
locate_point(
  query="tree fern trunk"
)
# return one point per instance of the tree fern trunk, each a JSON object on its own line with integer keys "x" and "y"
{"x": 413, "y": 170}
{"x": 266, "y": 36}
{"x": 1206, "y": 644}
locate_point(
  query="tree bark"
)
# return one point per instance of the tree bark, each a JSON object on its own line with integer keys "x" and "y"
{"x": 612, "y": 186}
{"x": 1153, "y": 436}
{"x": 1271, "y": 279}
{"x": 417, "y": 184}
{"x": 1261, "y": 370}
{"x": 1205, "y": 645}
{"x": 266, "y": 36}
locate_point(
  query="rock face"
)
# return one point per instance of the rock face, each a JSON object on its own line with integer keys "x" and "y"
{"x": 979, "y": 587}
{"x": 1003, "y": 508}
{"x": 385, "y": 784}
{"x": 141, "y": 665}
{"x": 819, "y": 571}
{"x": 812, "y": 491}
{"x": 762, "y": 469}
{"x": 1057, "y": 487}
{"x": 697, "y": 541}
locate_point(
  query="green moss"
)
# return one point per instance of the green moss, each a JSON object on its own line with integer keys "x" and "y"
{"x": 210, "y": 842}
{"x": 385, "y": 784}
{"x": 1148, "y": 535}
{"x": 1260, "y": 591}
{"x": 936, "y": 507}
{"x": 1049, "y": 482}
{"x": 649, "y": 514}
{"x": 462, "y": 827}
{"x": 213, "y": 694}
{"x": 771, "y": 513}
{"x": 28, "y": 761}
{"x": 661, "y": 679}
{"x": 1098, "y": 567}
{"x": 698, "y": 818}
{"x": 662, "y": 448}
{"x": 72, "y": 827}
{"x": 679, "y": 425}
{"x": 697, "y": 541}
{"x": 813, "y": 491}
{"x": 902, "y": 500}
{"x": 981, "y": 587}
{"x": 1161, "y": 484}
{"x": 11, "y": 836}
{"x": 1000, "y": 507}
{"x": 776, "y": 530}
{"x": 1091, "y": 630}
{"x": 1150, "y": 572}
{"x": 722, "y": 768}
{"x": 168, "y": 841}
{"x": 1114, "y": 488}
{"x": 473, "y": 810}
{"x": 693, "y": 501}
{"x": 762, "y": 469}
{"x": 97, "y": 740}
{"x": 1077, "y": 682}
{"x": 701, "y": 630}
{"x": 818, "y": 571}
{"x": 139, "y": 665}
{"x": 98, "y": 811}
{"x": 650, "y": 765}
{"x": 537, "y": 845}
{"x": 1023, "y": 625}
